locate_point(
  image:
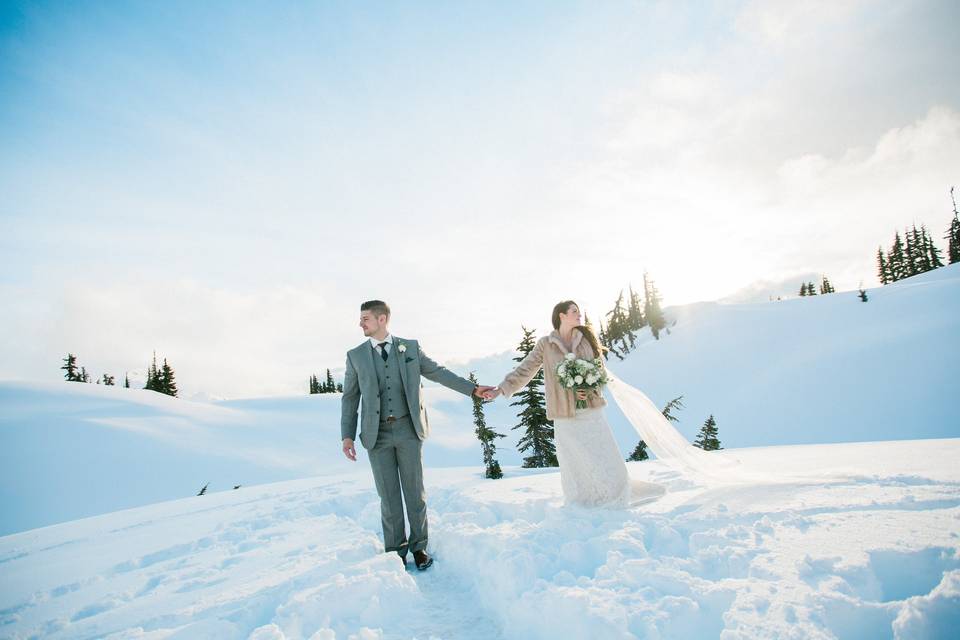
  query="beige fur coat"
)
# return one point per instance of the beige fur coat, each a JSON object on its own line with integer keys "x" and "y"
{"x": 548, "y": 352}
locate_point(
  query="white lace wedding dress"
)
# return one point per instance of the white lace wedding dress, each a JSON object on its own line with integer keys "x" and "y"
{"x": 593, "y": 471}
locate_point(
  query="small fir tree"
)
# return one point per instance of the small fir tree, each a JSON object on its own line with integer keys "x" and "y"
{"x": 707, "y": 437}
{"x": 487, "y": 437}
{"x": 168, "y": 384}
{"x": 71, "y": 374}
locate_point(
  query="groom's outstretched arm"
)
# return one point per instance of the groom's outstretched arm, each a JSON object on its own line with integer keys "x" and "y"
{"x": 430, "y": 370}
{"x": 349, "y": 403}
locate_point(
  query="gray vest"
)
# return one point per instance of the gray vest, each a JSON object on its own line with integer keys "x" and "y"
{"x": 393, "y": 400}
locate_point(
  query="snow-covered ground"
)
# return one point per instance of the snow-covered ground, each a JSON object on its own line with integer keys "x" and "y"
{"x": 865, "y": 547}
{"x": 855, "y": 539}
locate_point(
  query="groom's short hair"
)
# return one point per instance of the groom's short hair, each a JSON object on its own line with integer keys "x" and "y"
{"x": 376, "y": 307}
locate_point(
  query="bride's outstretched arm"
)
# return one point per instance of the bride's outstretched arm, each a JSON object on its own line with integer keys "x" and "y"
{"x": 519, "y": 377}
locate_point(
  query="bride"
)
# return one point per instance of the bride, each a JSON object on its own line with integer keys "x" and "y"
{"x": 592, "y": 469}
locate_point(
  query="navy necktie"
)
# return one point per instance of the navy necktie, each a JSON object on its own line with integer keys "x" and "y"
{"x": 383, "y": 351}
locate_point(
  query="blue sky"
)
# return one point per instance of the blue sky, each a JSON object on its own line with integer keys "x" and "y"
{"x": 225, "y": 182}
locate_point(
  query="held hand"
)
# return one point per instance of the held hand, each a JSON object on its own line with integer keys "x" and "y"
{"x": 349, "y": 450}
{"x": 492, "y": 393}
{"x": 481, "y": 391}
{"x": 581, "y": 394}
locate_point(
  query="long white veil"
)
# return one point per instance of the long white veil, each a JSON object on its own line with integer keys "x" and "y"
{"x": 668, "y": 444}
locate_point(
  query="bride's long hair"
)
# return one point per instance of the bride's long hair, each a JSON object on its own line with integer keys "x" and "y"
{"x": 591, "y": 337}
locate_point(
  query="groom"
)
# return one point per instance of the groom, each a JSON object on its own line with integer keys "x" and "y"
{"x": 383, "y": 376}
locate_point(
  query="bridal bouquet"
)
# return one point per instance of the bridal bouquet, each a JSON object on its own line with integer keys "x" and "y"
{"x": 577, "y": 373}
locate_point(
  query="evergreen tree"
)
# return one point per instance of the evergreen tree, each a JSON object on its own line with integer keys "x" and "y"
{"x": 803, "y": 290}
{"x": 863, "y": 294}
{"x": 911, "y": 252}
{"x": 826, "y": 287}
{"x": 934, "y": 255}
{"x": 538, "y": 431}
{"x": 167, "y": 383}
{"x": 339, "y": 387}
{"x": 651, "y": 307}
{"x": 153, "y": 376}
{"x": 883, "y": 267}
{"x": 108, "y": 380}
{"x": 639, "y": 453}
{"x": 126, "y": 381}
{"x": 707, "y": 437}
{"x": 898, "y": 261}
{"x": 487, "y": 437}
{"x": 618, "y": 327}
{"x": 84, "y": 376}
{"x": 312, "y": 384}
{"x": 329, "y": 386}
{"x": 953, "y": 234}
{"x": 70, "y": 367}
{"x": 635, "y": 317}
{"x": 204, "y": 489}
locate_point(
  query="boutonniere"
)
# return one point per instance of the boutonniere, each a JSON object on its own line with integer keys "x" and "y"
{"x": 402, "y": 348}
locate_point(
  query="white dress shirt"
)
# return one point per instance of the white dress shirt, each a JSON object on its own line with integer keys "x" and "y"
{"x": 376, "y": 344}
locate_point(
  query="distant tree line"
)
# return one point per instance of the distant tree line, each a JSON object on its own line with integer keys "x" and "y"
{"x": 916, "y": 252}
{"x": 327, "y": 386}
{"x": 159, "y": 379}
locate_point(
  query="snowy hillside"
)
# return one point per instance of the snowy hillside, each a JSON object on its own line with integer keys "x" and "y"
{"x": 865, "y": 547}
{"x": 821, "y": 369}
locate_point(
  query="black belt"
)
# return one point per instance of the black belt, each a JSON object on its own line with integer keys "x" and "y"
{"x": 390, "y": 419}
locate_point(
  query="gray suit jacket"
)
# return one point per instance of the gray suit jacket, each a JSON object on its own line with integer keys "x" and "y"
{"x": 360, "y": 389}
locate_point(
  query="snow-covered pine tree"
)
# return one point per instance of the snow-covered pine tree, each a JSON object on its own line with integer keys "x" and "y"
{"x": 167, "y": 384}
{"x": 651, "y": 307}
{"x": 953, "y": 234}
{"x": 811, "y": 290}
{"x": 538, "y": 431}
{"x": 108, "y": 380}
{"x": 707, "y": 437}
{"x": 70, "y": 368}
{"x": 84, "y": 376}
{"x": 487, "y": 437}
{"x": 803, "y": 290}
{"x": 329, "y": 386}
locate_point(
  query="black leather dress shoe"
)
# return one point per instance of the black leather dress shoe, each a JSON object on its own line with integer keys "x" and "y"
{"x": 422, "y": 559}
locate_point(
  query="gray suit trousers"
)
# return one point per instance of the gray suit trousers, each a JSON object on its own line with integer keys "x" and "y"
{"x": 397, "y": 463}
